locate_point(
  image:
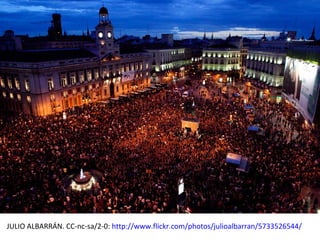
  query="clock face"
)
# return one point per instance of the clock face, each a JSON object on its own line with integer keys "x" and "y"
{"x": 109, "y": 35}
{"x": 100, "y": 34}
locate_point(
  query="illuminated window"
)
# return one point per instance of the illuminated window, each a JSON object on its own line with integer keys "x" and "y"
{"x": 73, "y": 79}
{"x": 63, "y": 80}
{"x": 19, "y": 97}
{"x": 2, "y": 82}
{"x": 81, "y": 77}
{"x": 50, "y": 84}
{"x": 28, "y": 99}
{"x": 89, "y": 75}
{"x": 27, "y": 85}
{"x": 17, "y": 83}
{"x": 52, "y": 97}
{"x": 4, "y": 94}
{"x": 96, "y": 74}
{"x": 9, "y": 83}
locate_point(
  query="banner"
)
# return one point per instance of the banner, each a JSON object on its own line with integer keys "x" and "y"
{"x": 128, "y": 76}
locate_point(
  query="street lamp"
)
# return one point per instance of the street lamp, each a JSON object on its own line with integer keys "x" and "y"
{"x": 64, "y": 116}
{"x": 86, "y": 97}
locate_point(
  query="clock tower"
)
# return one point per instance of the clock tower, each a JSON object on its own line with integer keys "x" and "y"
{"x": 104, "y": 35}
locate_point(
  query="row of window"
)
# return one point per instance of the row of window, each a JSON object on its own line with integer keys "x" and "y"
{"x": 67, "y": 79}
{"x": 15, "y": 96}
{"x": 267, "y": 68}
{"x": 219, "y": 67}
{"x": 265, "y": 79}
{"x": 12, "y": 82}
{"x": 220, "y": 61}
{"x": 221, "y": 55}
{"x": 271, "y": 59}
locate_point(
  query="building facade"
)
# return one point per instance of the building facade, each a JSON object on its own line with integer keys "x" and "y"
{"x": 223, "y": 60}
{"x": 266, "y": 66}
{"x": 50, "y": 81}
{"x": 169, "y": 61}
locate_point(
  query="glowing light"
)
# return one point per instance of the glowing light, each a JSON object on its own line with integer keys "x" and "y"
{"x": 83, "y": 187}
{"x": 180, "y": 186}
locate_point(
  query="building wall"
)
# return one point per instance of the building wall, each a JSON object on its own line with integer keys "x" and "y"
{"x": 50, "y": 87}
{"x": 168, "y": 59}
{"x": 40, "y": 86}
{"x": 221, "y": 60}
{"x": 265, "y": 66}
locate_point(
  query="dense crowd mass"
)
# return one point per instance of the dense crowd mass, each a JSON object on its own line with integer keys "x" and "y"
{"x": 141, "y": 151}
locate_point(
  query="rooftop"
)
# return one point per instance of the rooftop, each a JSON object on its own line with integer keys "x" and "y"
{"x": 45, "y": 55}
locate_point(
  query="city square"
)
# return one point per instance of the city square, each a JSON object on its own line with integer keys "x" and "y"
{"x": 142, "y": 150}
{"x": 93, "y": 123}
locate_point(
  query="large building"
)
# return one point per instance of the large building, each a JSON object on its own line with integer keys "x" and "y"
{"x": 169, "y": 62}
{"x": 220, "y": 59}
{"x": 224, "y": 61}
{"x": 266, "y": 66}
{"x": 46, "y": 81}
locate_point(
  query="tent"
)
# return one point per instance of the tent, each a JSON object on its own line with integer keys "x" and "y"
{"x": 239, "y": 160}
{"x": 248, "y": 106}
{"x": 253, "y": 128}
{"x": 233, "y": 158}
{"x": 244, "y": 165}
{"x": 258, "y": 130}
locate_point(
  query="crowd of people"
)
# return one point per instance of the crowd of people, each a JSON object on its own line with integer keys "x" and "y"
{"x": 141, "y": 151}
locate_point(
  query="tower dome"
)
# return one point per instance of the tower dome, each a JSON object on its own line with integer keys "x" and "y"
{"x": 103, "y": 11}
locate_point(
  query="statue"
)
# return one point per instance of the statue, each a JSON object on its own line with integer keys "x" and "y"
{"x": 82, "y": 176}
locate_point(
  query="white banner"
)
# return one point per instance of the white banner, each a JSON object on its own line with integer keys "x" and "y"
{"x": 128, "y": 76}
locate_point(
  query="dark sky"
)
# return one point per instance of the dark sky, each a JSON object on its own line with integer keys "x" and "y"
{"x": 192, "y": 18}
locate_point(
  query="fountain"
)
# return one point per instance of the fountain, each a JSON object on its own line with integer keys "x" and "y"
{"x": 190, "y": 121}
{"x": 83, "y": 181}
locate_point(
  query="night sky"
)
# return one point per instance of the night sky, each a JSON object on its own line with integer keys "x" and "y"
{"x": 185, "y": 19}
